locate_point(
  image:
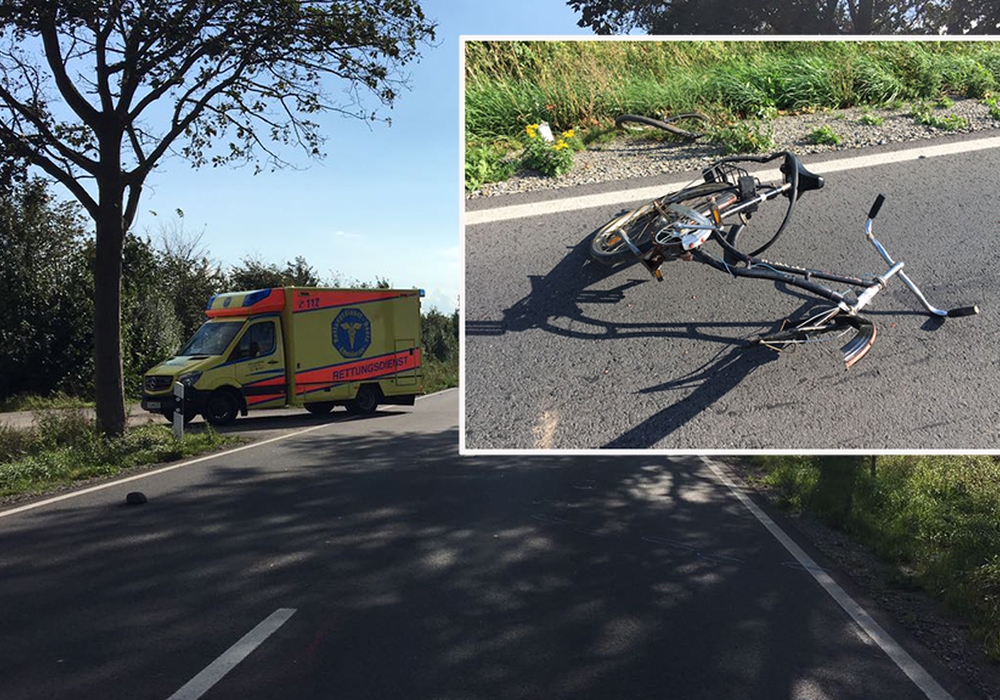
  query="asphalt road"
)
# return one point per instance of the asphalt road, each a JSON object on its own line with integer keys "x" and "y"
{"x": 366, "y": 559}
{"x": 563, "y": 353}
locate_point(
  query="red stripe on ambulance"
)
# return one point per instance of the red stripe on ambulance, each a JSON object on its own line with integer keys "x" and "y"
{"x": 357, "y": 370}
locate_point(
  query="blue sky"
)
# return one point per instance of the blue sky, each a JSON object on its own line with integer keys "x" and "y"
{"x": 385, "y": 201}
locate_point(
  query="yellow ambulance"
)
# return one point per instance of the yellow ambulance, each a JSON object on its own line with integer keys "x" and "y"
{"x": 295, "y": 346}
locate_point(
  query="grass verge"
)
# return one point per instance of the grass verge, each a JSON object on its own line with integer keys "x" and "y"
{"x": 439, "y": 375}
{"x": 936, "y": 517}
{"x": 32, "y": 402}
{"x": 64, "y": 447}
{"x": 587, "y": 84}
{"x": 739, "y": 85}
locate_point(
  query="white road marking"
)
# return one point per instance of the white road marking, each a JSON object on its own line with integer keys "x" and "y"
{"x": 180, "y": 465}
{"x": 906, "y": 663}
{"x": 213, "y": 673}
{"x": 557, "y": 206}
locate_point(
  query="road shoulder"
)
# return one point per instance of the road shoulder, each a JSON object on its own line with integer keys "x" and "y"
{"x": 942, "y": 636}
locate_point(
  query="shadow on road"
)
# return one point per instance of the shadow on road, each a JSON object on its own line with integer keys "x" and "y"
{"x": 284, "y": 419}
{"x": 417, "y": 574}
{"x": 710, "y": 382}
{"x": 299, "y": 419}
{"x": 554, "y": 306}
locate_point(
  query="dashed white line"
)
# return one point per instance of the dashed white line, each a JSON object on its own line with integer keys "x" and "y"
{"x": 906, "y": 663}
{"x": 213, "y": 673}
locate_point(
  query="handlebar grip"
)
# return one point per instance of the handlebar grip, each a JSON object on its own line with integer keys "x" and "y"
{"x": 963, "y": 311}
{"x": 876, "y": 206}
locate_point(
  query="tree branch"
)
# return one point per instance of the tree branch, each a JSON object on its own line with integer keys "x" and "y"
{"x": 18, "y": 108}
{"x": 37, "y": 158}
{"x": 53, "y": 55}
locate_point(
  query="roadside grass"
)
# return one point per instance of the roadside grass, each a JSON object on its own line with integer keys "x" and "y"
{"x": 936, "y": 517}
{"x": 751, "y": 136}
{"x": 34, "y": 402}
{"x": 923, "y": 114}
{"x": 64, "y": 447}
{"x": 823, "y": 135}
{"x": 871, "y": 119}
{"x": 439, "y": 375}
{"x": 737, "y": 84}
{"x": 993, "y": 102}
{"x": 486, "y": 162}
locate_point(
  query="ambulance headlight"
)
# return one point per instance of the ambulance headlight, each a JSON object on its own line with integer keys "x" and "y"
{"x": 190, "y": 379}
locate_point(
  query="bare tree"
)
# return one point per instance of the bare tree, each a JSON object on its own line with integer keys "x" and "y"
{"x": 97, "y": 92}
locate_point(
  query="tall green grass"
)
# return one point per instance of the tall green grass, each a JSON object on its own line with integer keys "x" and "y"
{"x": 937, "y": 516}
{"x": 439, "y": 375}
{"x": 64, "y": 446}
{"x": 583, "y": 84}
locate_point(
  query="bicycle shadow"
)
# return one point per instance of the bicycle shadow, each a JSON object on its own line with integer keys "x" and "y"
{"x": 711, "y": 381}
{"x": 555, "y": 305}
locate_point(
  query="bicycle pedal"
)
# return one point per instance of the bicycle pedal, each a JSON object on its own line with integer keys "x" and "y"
{"x": 652, "y": 263}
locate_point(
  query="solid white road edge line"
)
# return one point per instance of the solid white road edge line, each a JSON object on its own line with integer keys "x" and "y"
{"x": 906, "y": 663}
{"x": 213, "y": 673}
{"x": 557, "y": 206}
{"x": 162, "y": 470}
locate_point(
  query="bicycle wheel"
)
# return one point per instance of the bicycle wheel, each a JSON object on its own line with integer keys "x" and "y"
{"x": 830, "y": 324}
{"x": 609, "y": 245}
{"x": 668, "y": 125}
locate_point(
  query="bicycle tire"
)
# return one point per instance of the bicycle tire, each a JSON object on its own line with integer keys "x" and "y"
{"x": 665, "y": 125}
{"x": 811, "y": 330}
{"x": 609, "y": 248}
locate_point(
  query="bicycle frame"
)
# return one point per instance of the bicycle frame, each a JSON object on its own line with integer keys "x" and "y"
{"x": 691, "y": 229}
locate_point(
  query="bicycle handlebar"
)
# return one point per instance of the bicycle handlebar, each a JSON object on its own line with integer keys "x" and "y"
{"x": 873, "y": 212}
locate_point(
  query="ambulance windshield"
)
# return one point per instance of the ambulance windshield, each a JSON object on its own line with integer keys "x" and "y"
{"x": 212, "y": 338}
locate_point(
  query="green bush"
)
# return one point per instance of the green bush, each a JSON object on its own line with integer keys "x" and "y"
{"x": 922, "y": 114}
{"x": 824, "y": 135}
{"x": 994, "y": 104}
{"x": 485, "y": 163}
{"x": 743, "y": 137}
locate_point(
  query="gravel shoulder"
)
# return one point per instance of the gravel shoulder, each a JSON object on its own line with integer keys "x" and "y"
{"x": 627, "y": 158}
{"x": 891, "y": 587}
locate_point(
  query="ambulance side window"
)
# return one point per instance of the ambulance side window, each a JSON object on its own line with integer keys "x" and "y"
{"x": 258, "y": 340}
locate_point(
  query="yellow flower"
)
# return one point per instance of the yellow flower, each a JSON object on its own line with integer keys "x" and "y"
{"x": 560, "y": 144}
{"x": 532, "y": 130}
{"x": 568, "y": 134}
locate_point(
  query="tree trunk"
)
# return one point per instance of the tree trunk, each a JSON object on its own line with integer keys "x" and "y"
{"x": 863, "y": 23}
{"x": 834, "y": 494}
{"x": 109, "y": 384}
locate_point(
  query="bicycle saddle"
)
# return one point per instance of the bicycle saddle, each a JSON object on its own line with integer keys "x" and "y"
{"x": 806, "y": 180}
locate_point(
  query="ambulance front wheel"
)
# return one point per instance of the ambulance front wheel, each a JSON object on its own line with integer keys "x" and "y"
{"x": 222, "y": 407}
{"x": 188, "y": 416}
{"x": 366, "y": 401}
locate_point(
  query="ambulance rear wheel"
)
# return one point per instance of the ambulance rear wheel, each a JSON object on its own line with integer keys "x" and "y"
{"x": 221, "y": 408}
{"x": 366, "y": 401}
{"x": 320, "y": 408}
